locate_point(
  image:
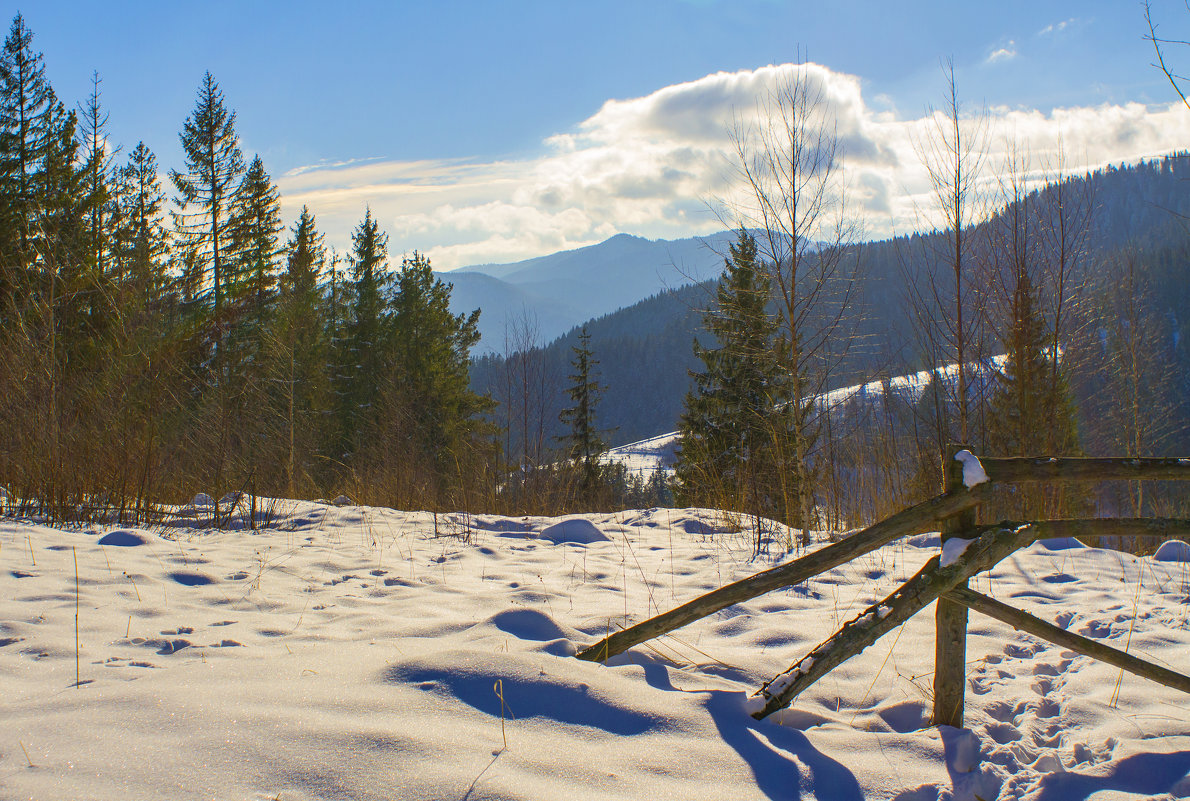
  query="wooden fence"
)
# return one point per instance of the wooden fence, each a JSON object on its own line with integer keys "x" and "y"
{"x": 943, "y": 580}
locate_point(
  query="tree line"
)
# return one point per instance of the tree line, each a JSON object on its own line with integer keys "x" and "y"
{"x": 161, "y": 339}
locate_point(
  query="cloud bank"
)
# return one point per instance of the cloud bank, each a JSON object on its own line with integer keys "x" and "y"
{"x": 656, "y": 165}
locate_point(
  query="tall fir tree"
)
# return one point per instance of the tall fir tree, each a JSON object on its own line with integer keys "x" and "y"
{"x": 255, "y": 241}
{"x": 431, "y": 392}
{"x": 735, "y": 432}
{"x": 583, "y": 443}
{"x": 207, "y": 197}
{"x": 365, "y": 341}
{"x": 300, "y": 353}
{"x": 141, "y": 241}
{"x": 26, "y": 137}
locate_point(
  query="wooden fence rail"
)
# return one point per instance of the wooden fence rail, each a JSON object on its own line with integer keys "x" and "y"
{"x": 954, "y": 514}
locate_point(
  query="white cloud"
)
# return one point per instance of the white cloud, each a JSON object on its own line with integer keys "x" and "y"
{"x": 1006, "y": 53}
{"x": 649, "y": 166}
{"x": 1057, "y": 27}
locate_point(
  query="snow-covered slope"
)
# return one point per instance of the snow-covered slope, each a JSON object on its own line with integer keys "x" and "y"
{"x": 646, "y": 456}
{"x": 349, "y": 653}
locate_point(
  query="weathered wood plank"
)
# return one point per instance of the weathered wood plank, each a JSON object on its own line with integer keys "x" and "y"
{"x": 1018, "y": 470}
{"x": 950, "y": 619}
{"x": 914, "y": 520}
{"x": 928, "y": 584}
{"x": 1113, "y": 527}
{"x": 1066, "y": 639}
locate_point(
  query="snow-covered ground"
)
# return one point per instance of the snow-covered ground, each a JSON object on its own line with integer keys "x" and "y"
{"x": 349, "y": 653}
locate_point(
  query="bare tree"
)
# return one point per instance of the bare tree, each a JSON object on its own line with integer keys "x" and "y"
{"x": 790, "y": 163}
{"x": 948, "y": 301}
{"x": 1160, "y": 46}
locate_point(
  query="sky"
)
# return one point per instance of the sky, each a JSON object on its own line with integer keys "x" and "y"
{"x": 491, "y": 132}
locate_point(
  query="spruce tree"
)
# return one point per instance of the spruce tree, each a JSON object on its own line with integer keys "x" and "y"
{"x": 26, "y": 136}
{"x": 141, "y": 241}
{"x": 735, "y": 433}
{"x": 207, "y": 197}
{"x": 583, "y": 443}
{"x": 1031, "y": 412}
{"x": 300, "y": 353}
{"x": 365, "y": 342}
{"x": 255, "y": 237}
{"x": 98, "y": 175}
{"x": 431, "y": 392}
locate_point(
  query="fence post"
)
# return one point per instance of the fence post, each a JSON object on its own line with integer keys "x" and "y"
{"x": 950, "y": 644}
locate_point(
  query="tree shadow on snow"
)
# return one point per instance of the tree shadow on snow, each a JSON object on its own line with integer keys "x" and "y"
{"x": 1142, "y": 774}
{"x": 770, "y": 751}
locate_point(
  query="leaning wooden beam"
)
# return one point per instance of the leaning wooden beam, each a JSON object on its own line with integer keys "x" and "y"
{"x": 1016, "y": 470}
{"x": 929, "y": 583}
{"x": 913, "y": 520}
{"x": 1047, "y": 631}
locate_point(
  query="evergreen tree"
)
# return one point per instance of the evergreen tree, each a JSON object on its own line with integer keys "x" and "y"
{"x": 98, "y": 177}
{"x": 254, "y": 241}
{"x": 300, "y": 352}
{"x": 141, "y": 242}
{"x": 431, "y": 392}
{"x": 26, "y": 136}
{"x": 583, "y": 443}
{"x": 735, "y": 432}
{"x": 207, "y": 196}
{"x": 364, "y": 345}
{"x": 1031, "y": 411}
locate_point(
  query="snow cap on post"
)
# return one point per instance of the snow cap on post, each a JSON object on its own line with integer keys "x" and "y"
{"x": 973, "y": 472}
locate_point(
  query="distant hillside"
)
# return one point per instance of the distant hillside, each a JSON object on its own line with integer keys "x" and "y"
{"x": 564, "y": 289}
{"x": 645, "y": 349}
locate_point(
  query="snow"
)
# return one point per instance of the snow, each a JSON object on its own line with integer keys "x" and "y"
{"x": 953, "y": 549}
{"x": 349, "y": 653}
{"x": 577, "y": 531}
{"x": 1173, "y": 551}
{"x": 973, "y": 472}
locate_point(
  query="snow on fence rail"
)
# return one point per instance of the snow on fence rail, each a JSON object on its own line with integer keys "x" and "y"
{"x": 967, "y": 550}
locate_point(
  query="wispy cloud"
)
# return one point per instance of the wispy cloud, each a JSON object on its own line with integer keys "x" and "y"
{"x": 1057, "y": 27}
{"x": 650, "y": 165}
{"x": 1006, "y": 53}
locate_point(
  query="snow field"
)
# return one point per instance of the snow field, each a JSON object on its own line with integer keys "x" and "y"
{"x": 349, "y": 653}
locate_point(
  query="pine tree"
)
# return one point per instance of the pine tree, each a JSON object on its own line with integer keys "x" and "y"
{"x": 98, "y": 177}
{"x": 365, "y": 343}
{"x": 1031, "y": 410}
{"x": 255, "y": 236}
{"x": 141, "y": 242}
{"x": 583, "y": 443}
{"x": 300, "y": 352}
{"x": 207, "y": 196}
{"x": 735, "y": 433}
{"x": 431, "y": 392}
{"x": 26, "y": 133}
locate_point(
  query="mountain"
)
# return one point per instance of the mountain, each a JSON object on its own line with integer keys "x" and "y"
{"x": 561, "y": 290}
{"x": 644, "y": 349}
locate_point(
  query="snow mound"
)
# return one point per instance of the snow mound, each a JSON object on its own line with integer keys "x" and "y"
{"x": 1173, "y": 551}
{"x": 202, "y": 501}
{"x": 1060, "y": 544}
{"x": 578, "y": 531}
{"x": 123, "y": 539}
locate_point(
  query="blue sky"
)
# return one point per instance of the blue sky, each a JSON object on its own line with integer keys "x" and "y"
{"x": 483, "y": 131}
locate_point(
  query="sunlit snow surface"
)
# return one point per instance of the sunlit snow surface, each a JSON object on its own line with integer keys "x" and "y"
{"x": 349, "y": 653}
